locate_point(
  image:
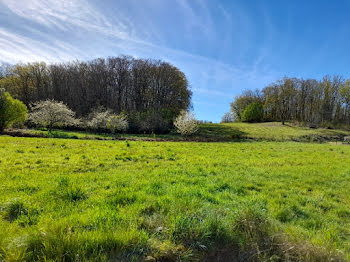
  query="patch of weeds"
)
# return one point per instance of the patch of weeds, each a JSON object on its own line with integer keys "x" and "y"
{"x": 157, "y": 189}
{"x": 68, "y": 192}
{"x": 151, "y": 209}
{"x": 28, "y": 189}
{"x": 343, "y": 213}
{"x": 18, "y": 211}
{"x": 126, "y": 158}
{"x": 221, "y": 187}
{"x": 15, "y": 209}
{"x": 63, "y": 181}
{"x": 252, "y": 187}
{"x": 74, "y": 194}
{"x": 290, "y": 213}
{"x": 187, "y": 229}
{"x": 123, "y": 198}
{"x": 240, "y": 191}
{"x": 168, "y": 251}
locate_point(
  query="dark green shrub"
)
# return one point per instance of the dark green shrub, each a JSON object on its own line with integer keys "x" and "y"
{"x": 253, "y": 113}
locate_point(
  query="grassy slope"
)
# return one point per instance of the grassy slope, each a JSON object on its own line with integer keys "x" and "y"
{"x": 124, "y": 200}
{"x": 270, "y": 131}
{"x": 267, "y": 131}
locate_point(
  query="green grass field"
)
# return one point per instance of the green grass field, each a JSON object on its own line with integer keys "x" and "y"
{"x": 78, "y": 200}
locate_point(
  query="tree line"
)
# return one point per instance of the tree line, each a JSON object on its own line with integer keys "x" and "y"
{"x": 150, "y": 92}
{"x": 316, "y": 102}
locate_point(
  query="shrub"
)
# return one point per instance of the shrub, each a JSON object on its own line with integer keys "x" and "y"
{"x": 50, "y": 114}
{"x": 11, "y": 110}
{"x": 150, "y": 122}
{"x": 186, "y": 123}
{"x": 105, "y": 120}
{"x": 347, "y": 139}
{"x": 254, "y": 112}
{"x": 117, "y": 123}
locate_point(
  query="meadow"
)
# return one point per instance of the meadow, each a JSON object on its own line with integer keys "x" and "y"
{"x": 80, "y": 200}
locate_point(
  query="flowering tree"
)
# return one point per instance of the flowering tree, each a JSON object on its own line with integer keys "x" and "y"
{"x": 99, "y": 119}
{"x": 186, "y": 123}
{"x": 117, "y": 123}
{"x": 103, "y": 120}
{"x": 50, "y": 113}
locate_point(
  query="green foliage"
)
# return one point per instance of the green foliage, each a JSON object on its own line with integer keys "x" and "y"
{"x": 86, "y": 200}
{"x": 11, "y": 110}
{"x": 254, "y": 112}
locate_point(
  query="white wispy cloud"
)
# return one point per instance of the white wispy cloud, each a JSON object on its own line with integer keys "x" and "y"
{"x": 57, "y": 30}
{"x": 16, "y": 48}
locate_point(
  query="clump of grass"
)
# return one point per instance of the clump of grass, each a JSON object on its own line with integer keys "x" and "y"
{"x": 69, "y": 192}
{"x": 60, "y": 240}
{"x": 74, "y": 194}
{"x": 17, "y": 210}
{"x": 290, "y": 213}
{"x": 123, "y": 198}
{"x": 168, "y": 251}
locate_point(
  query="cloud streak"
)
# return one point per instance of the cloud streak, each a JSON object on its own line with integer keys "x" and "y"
{"x": 55, "y": 30}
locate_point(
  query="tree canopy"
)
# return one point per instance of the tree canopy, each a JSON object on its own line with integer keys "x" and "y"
{"x": 11, "y": 110}
{"x": 148, "y": 91}
{"x": 321, "y": 102}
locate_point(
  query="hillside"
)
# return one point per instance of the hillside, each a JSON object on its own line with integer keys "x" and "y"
{"x": 268, "y": 131}
{"x": 271, "y": 131}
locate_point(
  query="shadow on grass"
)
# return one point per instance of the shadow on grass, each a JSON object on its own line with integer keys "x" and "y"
{"x": 221, "y": 132}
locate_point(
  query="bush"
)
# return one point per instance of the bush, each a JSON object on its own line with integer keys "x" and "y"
{"x": 105, "y": 120}
{"x": 186, "y": 123}
{"x": 117, "y": 123}
{"x": 11, "y": 110}
{"x": 150, "y": 122}
{"x": 50, "y": 114}
{"x": 254, "y": 112}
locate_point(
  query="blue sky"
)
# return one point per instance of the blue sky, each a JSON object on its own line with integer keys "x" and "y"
{"x": 223, "y": 47}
